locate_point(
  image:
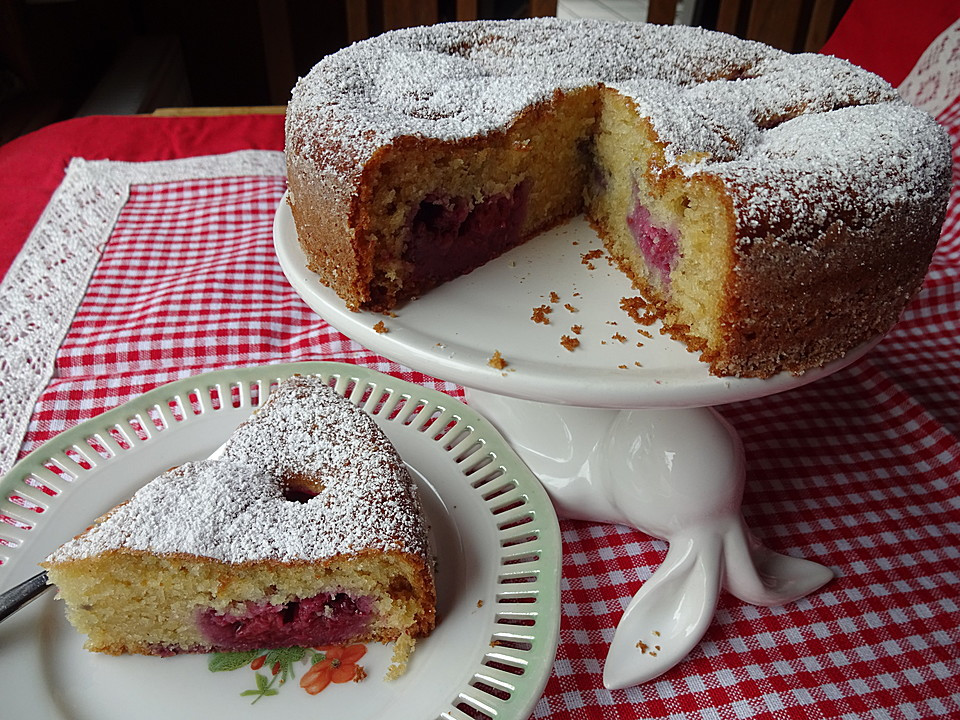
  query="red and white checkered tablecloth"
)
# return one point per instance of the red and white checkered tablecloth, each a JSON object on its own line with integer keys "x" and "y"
{"x": 859, "y": 471}
{"x": 187, "y": 283}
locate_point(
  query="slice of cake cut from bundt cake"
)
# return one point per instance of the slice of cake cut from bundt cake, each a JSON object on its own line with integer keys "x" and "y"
{"x": 306, "y": 531}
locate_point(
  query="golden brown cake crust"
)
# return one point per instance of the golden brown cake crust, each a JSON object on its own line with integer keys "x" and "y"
{"x": 794, "y": 310}
{"x": 308, "y": 515}
{"x": 829, "y": 180}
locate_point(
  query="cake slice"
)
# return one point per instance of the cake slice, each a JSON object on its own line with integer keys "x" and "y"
{"x": 307, "y": 530}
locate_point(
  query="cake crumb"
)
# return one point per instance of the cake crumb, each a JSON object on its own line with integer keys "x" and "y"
{"x": 479, "y": 603}
{"x": 618, "y": 337}
{"x": 540, "y": 314}
{"x": 570, "y": 307}
{"x": 381, "y": 328}
{"x": 554, "y": 298}
{"x": 639, "y": 310}
{"x": 570, "y": 343}
{"x": 402, "y": 649}
{"x": 588, "y": 257}
{"x": 622, "y": 367}
{"x": 497, "y": 361}
{"x": 576, "y": 329}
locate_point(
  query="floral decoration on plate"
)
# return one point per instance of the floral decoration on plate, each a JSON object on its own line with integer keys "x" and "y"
{"x": 327, "y": 664}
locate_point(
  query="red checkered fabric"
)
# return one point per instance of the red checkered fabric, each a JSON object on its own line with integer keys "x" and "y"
{"x": 859, "y": 471}
{"x": 188, "y": 283}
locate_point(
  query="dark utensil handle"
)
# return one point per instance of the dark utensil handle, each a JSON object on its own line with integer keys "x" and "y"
{"x": 19, "y": 595}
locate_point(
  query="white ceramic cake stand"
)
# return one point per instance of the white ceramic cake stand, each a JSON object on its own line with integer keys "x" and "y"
{"x": 611, "y": 440}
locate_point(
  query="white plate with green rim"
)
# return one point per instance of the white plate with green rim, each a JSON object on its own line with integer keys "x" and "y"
{"x": 495, "y": 533}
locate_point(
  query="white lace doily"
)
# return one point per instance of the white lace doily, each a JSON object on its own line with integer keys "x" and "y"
{"x": 934, "y": 82}
{"x": 47, "y": 281}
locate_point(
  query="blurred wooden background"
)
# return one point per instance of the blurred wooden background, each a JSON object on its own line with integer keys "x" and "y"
{"x": 68, "y": 58}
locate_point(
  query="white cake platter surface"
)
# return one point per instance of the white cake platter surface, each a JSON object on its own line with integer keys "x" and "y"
{"x": 453, "y": 331}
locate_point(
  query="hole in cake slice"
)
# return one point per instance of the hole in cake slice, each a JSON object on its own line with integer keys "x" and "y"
{"x": 299, "y": 489}
{"x": 298, "y": 495}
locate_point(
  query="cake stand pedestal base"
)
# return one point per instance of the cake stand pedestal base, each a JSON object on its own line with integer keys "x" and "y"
{"x": 675, "y": 474}
{"x": 673, "y": 469}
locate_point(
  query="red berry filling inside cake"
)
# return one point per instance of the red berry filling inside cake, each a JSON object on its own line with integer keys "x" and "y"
{"x": 452, "y": 235}
{"x": 658, "y": 245}
{"x": 325, "y": 619}
{"x": 307, "y": 530}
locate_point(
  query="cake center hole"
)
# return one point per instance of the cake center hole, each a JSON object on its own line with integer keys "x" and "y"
{"x": 300, "y": 490}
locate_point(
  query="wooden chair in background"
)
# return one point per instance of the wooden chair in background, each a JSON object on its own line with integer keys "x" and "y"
{"x": 792, "y": 25}
{"x": 366, "y": 17}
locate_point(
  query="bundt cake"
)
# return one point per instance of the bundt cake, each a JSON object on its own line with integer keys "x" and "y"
{"x": 775, "y": 210}
{"x": 306, "y": 531}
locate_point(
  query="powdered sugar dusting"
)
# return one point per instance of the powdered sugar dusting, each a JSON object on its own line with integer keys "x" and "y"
{"x": 751, "y": 114}
{"x": 234, "y": 510}
{"x": 832, "y": 180}
{"x": 456, "y": 80}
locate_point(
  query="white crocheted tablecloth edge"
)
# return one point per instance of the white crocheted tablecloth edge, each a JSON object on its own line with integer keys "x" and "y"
{"x": 934, "y": 82}
{"x": 46, "y": 282}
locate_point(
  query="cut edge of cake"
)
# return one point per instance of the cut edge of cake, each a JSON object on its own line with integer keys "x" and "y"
{"x": 762, "y": 231}
{"x": 219, "y": 555}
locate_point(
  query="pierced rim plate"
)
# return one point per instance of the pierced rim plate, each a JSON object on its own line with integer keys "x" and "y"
{"x": 495, "y": 533}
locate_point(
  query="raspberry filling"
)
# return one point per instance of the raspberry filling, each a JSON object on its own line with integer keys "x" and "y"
{"x": 658, "y": 245}
{"x": 450, "y": 236}
{"x": 325, "y": 619}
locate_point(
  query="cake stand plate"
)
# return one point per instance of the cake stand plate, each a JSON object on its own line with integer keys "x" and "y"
{"x": 619, "y": 428}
